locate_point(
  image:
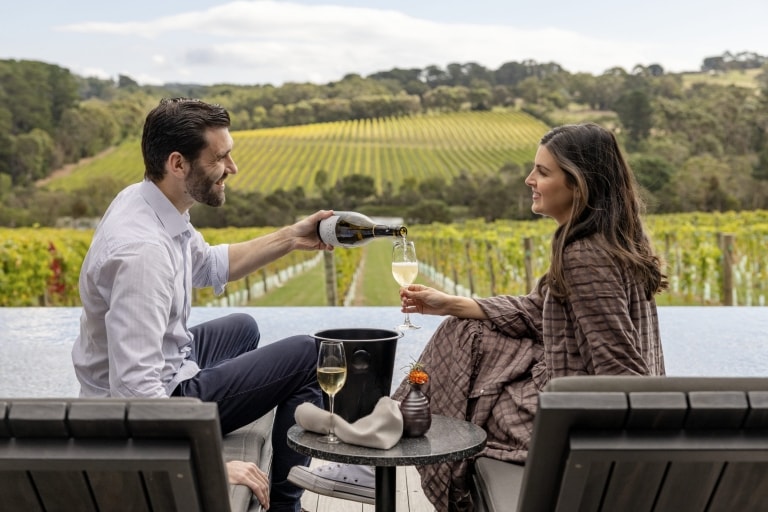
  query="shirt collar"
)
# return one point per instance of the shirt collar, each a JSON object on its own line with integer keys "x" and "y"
{"x": 174, "y": 222}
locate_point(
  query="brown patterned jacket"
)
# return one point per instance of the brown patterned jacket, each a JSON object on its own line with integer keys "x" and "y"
{"x": 490, "y": 371}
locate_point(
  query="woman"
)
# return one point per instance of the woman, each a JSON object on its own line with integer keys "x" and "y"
{"x": 593, "y": 312}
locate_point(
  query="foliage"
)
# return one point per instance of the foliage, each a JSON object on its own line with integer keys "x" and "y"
{"x": 50, "y": 117}
{"x": 40, "y": 266}
{"x": 483, "y": 259}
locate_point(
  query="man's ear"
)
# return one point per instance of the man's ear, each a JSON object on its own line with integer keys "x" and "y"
{"x": 176, "y": 165}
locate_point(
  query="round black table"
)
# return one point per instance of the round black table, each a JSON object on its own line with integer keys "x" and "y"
{"x": 448, "y": 439}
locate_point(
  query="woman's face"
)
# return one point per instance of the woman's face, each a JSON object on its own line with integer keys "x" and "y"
{"x": 552, "y": 194}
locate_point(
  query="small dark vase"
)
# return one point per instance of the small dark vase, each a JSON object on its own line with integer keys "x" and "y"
{"x": 417, "y": 416}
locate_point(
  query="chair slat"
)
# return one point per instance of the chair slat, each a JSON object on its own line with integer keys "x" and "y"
{"x": 119, "y": 491}
{"x": 98, "y": 419}
{"x": 38, "y": 418}
{"x": 63, "y": 491}
{"x": 633, "y": 485}
{"x": 717, "y": 409}
{"x": 657, "y": 410}
{"x": 17, "y": 492}
{"x": 742, "y": 488}
{"x": 688, "y": 486}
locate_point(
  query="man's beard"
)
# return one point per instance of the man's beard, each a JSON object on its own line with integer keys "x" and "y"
{"x": 202, "y": 188}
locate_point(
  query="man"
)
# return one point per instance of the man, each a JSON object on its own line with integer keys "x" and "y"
{"x": 136, "y": 288}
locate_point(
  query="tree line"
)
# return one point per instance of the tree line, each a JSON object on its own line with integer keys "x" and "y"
{"x": 694, "y": 148}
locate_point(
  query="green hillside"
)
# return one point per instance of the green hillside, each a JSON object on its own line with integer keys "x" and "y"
{"x": 738, "y": 77}
{"x": 389, "y": 150}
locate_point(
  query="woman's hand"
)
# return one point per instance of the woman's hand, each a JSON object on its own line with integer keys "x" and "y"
{"x": 418, "y": 298}
{"x": 249, "y": 474}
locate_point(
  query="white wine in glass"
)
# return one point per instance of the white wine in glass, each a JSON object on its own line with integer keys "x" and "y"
{"x": 331, "y": 375}
{"x": 405, "y": 268}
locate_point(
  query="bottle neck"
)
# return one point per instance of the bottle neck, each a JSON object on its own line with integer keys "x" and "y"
{"x": 384, "y": 230}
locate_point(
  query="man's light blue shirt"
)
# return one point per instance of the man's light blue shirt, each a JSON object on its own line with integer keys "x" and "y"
{"x": 136, "y": 289}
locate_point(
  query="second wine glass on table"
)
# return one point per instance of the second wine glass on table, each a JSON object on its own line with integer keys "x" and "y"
{"x": 331, "y": 375}
{"x": 405, "y": 268}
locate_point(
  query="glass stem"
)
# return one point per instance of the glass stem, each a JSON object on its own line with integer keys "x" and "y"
{"x": 330, "y": 430}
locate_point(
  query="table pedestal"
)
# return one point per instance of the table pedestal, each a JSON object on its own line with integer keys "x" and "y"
{"x": 386, "y": 488}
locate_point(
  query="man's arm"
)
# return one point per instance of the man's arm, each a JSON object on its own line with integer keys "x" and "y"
{"x": 247, "y": 257}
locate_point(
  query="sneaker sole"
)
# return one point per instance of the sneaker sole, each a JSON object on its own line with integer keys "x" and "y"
{"x": 303, "y": 478}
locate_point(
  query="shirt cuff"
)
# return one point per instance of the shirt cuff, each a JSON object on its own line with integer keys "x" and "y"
{"x": 220, "y": 268}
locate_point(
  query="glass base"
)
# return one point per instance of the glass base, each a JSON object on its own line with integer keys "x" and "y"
{"x": 330, "y": 439}
{"x": 408, "y": 325}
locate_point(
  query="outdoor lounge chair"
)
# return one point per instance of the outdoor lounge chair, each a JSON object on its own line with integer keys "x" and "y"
{"x": 625, "y": 444}
{"x": 115, "y": 455}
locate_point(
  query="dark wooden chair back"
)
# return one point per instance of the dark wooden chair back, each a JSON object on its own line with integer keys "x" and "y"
{"x": 111, "y": 455}
{"x": 684, "y": 444}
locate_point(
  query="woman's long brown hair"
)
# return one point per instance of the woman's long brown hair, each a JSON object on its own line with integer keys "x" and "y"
{"x": 605, "y": 204}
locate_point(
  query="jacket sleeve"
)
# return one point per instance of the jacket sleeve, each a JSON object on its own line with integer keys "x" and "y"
{"x": 515, "y": 316}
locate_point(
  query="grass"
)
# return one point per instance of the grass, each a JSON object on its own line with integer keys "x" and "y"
{"x": 745, "y": 78}
{"x": 306, "y": 289}
{"x": 376, "y": 286}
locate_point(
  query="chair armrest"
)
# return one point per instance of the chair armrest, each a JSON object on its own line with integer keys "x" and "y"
{"x": 251, "y": 443}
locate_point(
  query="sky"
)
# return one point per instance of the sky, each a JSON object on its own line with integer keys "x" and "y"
{"x": 320, "y": 41}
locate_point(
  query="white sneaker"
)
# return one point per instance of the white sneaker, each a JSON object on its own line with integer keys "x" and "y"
{"x": 345, "y": 481}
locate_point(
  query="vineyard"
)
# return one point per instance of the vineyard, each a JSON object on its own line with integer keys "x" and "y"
{"x": 507, "y": 257}
{"x": 389, "y": 150}
{"x": 41, "y": 266}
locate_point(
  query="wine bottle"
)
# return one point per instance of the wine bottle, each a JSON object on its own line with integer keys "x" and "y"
{"x": 352, "y": 229}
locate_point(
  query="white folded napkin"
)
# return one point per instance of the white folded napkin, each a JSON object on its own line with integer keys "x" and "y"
{"x": 381, "y": 429}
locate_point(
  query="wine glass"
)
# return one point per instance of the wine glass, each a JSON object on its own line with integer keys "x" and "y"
{"x": 405, "y": 268}
{"x": 331, "y": 375}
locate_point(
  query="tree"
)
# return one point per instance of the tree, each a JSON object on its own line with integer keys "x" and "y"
{"x": 321, "y": 179}
{"x": 760, "y": 170}
{"x": 511, "y": 73}
{"x": 431, "y": 188}
{"x": 635, "y": 112}
{"x": 86, "y": 130}
{"x": 350, "y": 191}
{"x": 34, "y": 155}
{"x": 651, "y": 171}
{"x": 429, "y": 211}
{"x": 480, "y": 98}
{"x": 126, "y": 82}
{"x": 445, "y": 98}
{"x": 705, "y": 184}
{"x": 463, "y": 189}
{"x": 434, "y": 76}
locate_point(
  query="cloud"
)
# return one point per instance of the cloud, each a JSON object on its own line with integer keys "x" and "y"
{"x": 269, "y": 41}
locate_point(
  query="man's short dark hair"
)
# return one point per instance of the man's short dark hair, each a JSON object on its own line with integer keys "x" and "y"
{"x": 177, "y": 124}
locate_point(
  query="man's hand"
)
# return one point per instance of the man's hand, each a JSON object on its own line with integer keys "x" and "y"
{"x": 304, "y": 232}
{"x": 248, "y": 473}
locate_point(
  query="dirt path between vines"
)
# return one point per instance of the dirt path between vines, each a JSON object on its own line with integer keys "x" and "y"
{"x": 359, "y": 299}
{"x": 68, "y": 168}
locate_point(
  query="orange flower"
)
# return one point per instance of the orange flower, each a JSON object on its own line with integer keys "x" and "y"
{"x": 417, "y": 374}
